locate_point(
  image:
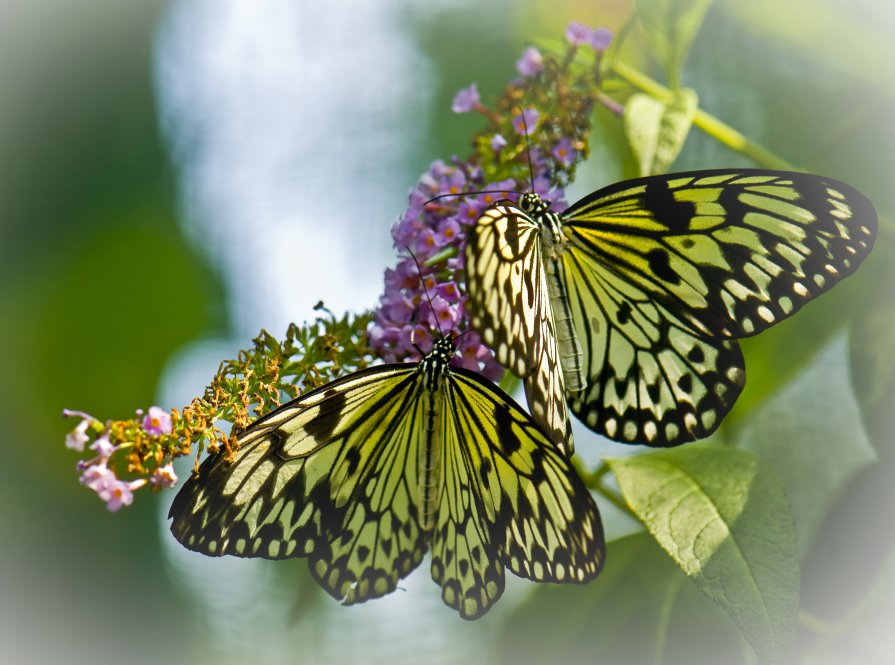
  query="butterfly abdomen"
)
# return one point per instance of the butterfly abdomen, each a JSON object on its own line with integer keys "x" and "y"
{"x": 430, "y": 450}
{"x": 571, "y": 356}
{"x": 434, "y": 369}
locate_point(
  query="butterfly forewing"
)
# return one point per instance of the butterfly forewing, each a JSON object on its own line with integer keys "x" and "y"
{"x": 730, "y": 252}
{"x": 509, "y": 304}
{"x": 309, "y": 481}
{"x": 364, "y": 474}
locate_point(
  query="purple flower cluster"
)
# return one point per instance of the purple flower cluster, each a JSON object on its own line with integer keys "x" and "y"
{"x": 579, "y": 34}
{"x": 95, "y": 472}
{"x": 419, "y": 299}
{"x": 424, "y": 293}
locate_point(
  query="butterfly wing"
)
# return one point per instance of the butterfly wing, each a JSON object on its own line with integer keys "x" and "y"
{"x": 331, "y": 476}
{"x": 510, "y": 499}
{"x": 509, "y": 305}
{"x": 728, "y": 252}
{"x": 664, "y": 272}
{"x": 651, "y": 379}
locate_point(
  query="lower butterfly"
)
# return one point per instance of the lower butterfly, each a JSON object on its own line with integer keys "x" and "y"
{"x": 365, "y": 474}
{"x": 629, "y": 303}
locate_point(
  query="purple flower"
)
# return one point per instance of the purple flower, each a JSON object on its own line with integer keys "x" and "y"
{"x": 449, "y": 291}
{"x": 420, "y": 301}
{"x": 164, "y": 476}
{"x": 103, "y": 447}
{"x": 466, "y": 99}
{"x": 448, "y": 231}
{"x": 530, "y": 63}
{"x": 77, "y": 438}
{"x": 157, "y": 422}
{"x": 426, "y": 244}
{"x": 404, "y": 276}
{"x": 119, "y": 493}
{"x": 469, "y": 210}
{"x": 578, "y": 34}
{"x": 526, "y": 122}
{"x": 452, "y": 183}
{"x": 395, "y": 306}
{"x": 601, "y": 39}
{"x": 442, "y": 314}
{"x": 116, "y": 493}
{"x": 498, "y": 143}
{"x": 96, "y": 474}
{"x": 565, "y": 152}
{"x": 478, "y": 358}
{"x": 505, "y": 189}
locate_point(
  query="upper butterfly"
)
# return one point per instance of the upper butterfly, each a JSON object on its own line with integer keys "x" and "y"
{"x": 365, "y": 473}
{"x": 629, "y": 302}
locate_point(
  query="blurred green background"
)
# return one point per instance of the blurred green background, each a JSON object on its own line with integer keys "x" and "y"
{"x": 175, "y": 176}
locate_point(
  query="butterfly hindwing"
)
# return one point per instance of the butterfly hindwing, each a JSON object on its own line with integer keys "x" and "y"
{"x": 511, "y": 309}
{"x": 651, "y": 379}
{"x": 363, "y": 475}
{"x": 542, "y": 521}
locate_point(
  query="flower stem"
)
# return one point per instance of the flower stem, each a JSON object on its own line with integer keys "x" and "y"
{"x": 708, "y": 123}
{"x": 594, "y": 481}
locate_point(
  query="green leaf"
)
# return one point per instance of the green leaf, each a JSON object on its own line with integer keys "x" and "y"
{"x": 670, "y": 26}
{"x": 811, "y": 432}
{"x": 656, "y": 130}
{"x": 641, "y": 609}
{"x": 722, "y": 515}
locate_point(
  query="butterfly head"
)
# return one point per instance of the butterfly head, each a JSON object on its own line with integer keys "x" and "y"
{"x": 533, "y": 204}
{"x": 435, "y": 364}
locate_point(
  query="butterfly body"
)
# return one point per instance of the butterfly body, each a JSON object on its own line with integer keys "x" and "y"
{"x": 365, "y": 474}
{"x": 659, "y": 276}
{"x": 553, "y": 243}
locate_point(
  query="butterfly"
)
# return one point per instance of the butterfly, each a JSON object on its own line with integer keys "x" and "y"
{"x": 365, "y": 474}
{"x": 629, "y": 303}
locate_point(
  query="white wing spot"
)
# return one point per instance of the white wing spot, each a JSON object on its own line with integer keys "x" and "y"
{"x": 766, "y": 314}
{"x": 611, "y": 424}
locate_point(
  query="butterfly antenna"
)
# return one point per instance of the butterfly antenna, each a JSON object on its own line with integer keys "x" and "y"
{"x": 426, "y": 291}
{"x": 531, "y": 171}
{"x": 475, "y": 193}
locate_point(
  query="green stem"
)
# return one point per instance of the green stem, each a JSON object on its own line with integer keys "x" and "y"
{"x": 706, "y": 122}
{"x": 594, "y": 481}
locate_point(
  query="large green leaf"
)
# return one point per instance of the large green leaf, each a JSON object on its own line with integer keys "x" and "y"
{"x": 641, "y": 609}
{"x": 656, "y": 130}
{"x": 812, "y": 434}
{"x": 722, "y": 515}
{"x": 670, "y": 26}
